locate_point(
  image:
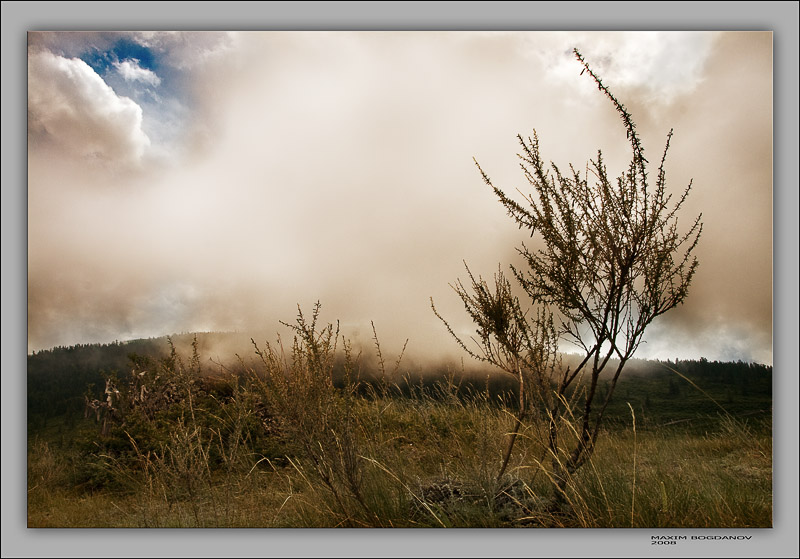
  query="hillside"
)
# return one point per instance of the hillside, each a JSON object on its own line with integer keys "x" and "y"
{"x": 681, "y": 392}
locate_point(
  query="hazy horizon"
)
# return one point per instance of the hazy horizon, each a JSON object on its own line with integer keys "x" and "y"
{"x": 203, "y": 181}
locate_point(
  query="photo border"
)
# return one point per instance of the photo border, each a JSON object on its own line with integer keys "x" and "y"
{"x": 20, "y": 17}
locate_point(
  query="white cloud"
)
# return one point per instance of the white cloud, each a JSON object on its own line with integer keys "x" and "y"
{"x": 130, "y": 70}
{"x": 187, "y": 50}
{"x": 661, "y": 64}
{"x": 69, "y": 105}
{"x": 338, "y": 167}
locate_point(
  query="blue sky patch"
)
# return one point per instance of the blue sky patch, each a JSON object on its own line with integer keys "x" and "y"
{"x": 163, "y": 104}
{"x": 102, "y": 61}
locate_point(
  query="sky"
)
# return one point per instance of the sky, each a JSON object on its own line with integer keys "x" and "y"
{"x": 199, "y": 181}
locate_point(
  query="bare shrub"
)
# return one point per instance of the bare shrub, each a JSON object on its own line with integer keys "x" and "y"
{"x": 298, "y": 386}
{"x": 611, "y": 261}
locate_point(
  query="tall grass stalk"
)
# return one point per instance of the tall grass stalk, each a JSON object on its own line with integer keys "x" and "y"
{"x": 633, "y": 488}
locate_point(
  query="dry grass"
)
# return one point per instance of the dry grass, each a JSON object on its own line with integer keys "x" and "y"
{"x": 280, "y": 444}
{"x": 430, "y": 463}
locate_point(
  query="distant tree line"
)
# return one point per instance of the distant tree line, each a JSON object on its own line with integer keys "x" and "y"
{"x": 59, "y": 379}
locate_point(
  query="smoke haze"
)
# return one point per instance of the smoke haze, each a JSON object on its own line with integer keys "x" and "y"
{"x": 214, "y": 181}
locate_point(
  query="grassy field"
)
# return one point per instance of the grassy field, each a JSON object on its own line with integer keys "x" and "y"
{"x": 240, "y": 451}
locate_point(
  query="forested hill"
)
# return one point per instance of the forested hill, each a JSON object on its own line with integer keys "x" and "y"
{"x": 59, "y": 378}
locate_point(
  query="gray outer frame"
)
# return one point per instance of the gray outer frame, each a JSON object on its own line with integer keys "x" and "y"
{"x": 20, "y": 17}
